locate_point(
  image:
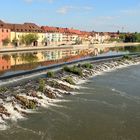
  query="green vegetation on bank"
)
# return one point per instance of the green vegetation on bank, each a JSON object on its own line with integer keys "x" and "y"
{"x": 41, "y": 85}
{"x": 50, "y": 74}
{"x": 130, "y": 37}
{"x": 75, "y": 70}
{"x": 87, "y": 65}
{"x": 128, "y": 57}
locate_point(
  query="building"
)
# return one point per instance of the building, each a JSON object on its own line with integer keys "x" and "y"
{"x": 17, "y": 31}
{"x": 4, "y": 33}
{"x": 53, "y": 35}
{"x": 100, "y": 37}
{"x": 60, "y": 36}
{"x": 20, "y": 30}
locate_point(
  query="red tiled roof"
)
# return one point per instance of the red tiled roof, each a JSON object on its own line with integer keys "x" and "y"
{"x": 61, "y": 30}
{"x": 3, "y": 25}
{"x": 26, "y": 27}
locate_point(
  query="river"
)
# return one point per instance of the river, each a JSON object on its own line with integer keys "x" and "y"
{"x": 107, "y": 107}
{"x": 21, "y": 62}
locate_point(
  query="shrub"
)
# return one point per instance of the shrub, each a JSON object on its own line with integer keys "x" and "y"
{"x": 6, "y": 41}
{"x": 66, "y": 68}
{"x": 128, "y": 57}
{"x": 69, "y": 80}
{"x": 50, "y": 74}
{"x": 87, "y": 66}
{"x": 3, "y": 89}
{"x": 77, "y": 71}
{"x": 41, "y": 85}
{"x": 74, "y": 70}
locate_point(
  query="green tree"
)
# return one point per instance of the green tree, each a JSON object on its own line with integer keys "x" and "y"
{"x": 137, "y": 35}
{"x": 15, "y": 42}
{"x": 29, "y": 39}
{"x": 6, "y": 41}
{"x": 122, "y": 36}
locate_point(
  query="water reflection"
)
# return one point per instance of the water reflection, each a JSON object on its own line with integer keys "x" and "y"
{"x": 10, "y": 63}
{"x": 126, "y": 49}
{"x": 13, "y": 63}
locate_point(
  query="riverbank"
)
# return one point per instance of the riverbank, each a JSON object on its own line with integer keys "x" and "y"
{"x": 66, "y": 47}
{"x": 112, "y": 45}
{"x": 24, "y": 98}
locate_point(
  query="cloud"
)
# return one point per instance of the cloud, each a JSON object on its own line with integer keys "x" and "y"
{"x": 105, "y": 19}
{"x": 66, "y": 9}
{"x": 28, "y": 1}
{"x": 31, "y": 1}
{"x": 131, "y": 12}
{"x": 87, "y": 8}
{"x": 63, "y": 10}
{"x": 50, "y": 1}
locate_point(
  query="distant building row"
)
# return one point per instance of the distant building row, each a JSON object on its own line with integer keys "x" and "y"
{"x": 49, "y": 35}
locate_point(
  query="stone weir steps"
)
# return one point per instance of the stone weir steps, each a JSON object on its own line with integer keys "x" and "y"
{"x": 16, "y": 102}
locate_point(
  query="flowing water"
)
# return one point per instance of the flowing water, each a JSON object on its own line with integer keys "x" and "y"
{"x": 21, "y": 62}
{"x": 106, "y": 107}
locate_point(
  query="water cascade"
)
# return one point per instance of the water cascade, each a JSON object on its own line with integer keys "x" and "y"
{"x": 17, "y": 102}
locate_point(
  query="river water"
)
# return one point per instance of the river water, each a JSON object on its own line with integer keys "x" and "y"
{"x": 21, "y": 62}
{"x": 106, "y": 107}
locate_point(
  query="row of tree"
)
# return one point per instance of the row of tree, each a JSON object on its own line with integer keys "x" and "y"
{"x": 130, "y": 37}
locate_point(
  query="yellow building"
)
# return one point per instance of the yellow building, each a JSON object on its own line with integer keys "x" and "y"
{"x": 19, "y": 30}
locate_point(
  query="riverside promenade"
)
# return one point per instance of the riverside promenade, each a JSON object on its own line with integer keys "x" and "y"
{"x": 66, "y": 47}
{"x": 112, "y": 45}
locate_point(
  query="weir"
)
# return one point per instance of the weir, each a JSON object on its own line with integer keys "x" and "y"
{"x": 61, "y": 65}
{"x": 18, "y": 101}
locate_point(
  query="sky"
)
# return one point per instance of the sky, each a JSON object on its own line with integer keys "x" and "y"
{"x": 88, "y": 15}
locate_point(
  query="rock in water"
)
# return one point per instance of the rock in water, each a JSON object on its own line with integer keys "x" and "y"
{"x": 30, "y": 104}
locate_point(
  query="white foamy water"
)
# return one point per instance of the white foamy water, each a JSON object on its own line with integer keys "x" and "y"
{"x": 14, "y": 115}
{"x": 66, "y": 84}
{"x": 16, "y": 111}
{"x": 3, "y": 126}
{"x": 56, "y": 90}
